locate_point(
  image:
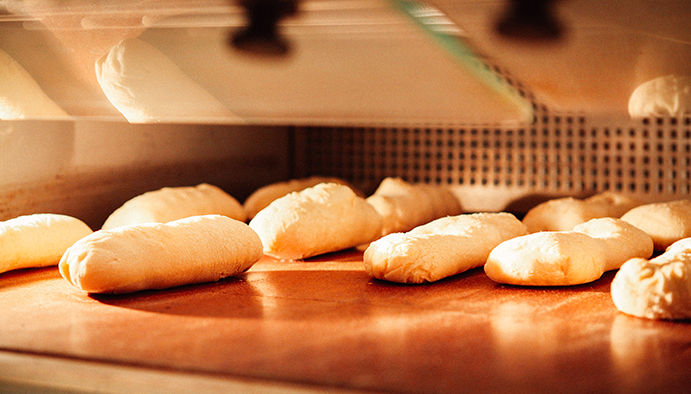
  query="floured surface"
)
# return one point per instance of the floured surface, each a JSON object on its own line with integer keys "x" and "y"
{"x": 324, "y": 323}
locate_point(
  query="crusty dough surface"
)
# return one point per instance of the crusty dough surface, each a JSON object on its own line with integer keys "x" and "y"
{"x": 665, "y": 222}
{"x": 21, "y": 97}
{"x": 173, "y": 203}
{"x": 404, "y": 205}
{"x": 38, "y": 240}
{"x": 664, "y": 96}
{"x": 562, "y": 214}
{"x": 324, "y": 218}
{"x": 160, "y": 255}
{"x": 564, "y": 258}
{"x": 147, "y": 87}
{"x": 441, "y": 248}
{"x": 659, "y": 288}
{"x": 263, "y": 196}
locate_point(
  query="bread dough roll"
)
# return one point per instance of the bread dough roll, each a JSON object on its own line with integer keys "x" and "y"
{"x": 614, "y": 204}
{"x": 21, "y": 97}
{"x": 441, "y": 248}
{"x": 659, "y": 288}
{"x": 173, "y": 203}
{"x": 622, "y": 240}
{"x": 562, "y": 214}
{"x": 564, "y": 258}
{"x": 147, "y": 87}
{"x": 665, "y": 222}
{"x": 664, "y": 96}
{"x": 160, "y": 255}
{"x": 263, "y": 196}
{"x": 38, "y": 240}
{"x": 324, "y": 218}
{"x": 404, "y": 206}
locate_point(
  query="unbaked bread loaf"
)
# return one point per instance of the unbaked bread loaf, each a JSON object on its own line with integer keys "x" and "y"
{"x": 564, "y": 258}
{"x": 38, "y": 240}
{"x": 324, "y": 218}
{"x": 21, "y": 97}
{"x": 173, "y": 203}
{"x": 404, "y": 205}
{"x": 665, "y": 222}
{"x": 441, "y": 248}
{"x": 659, "y": 288}
{"x": 664, "y": 96}
{"x": 160, "y": 255}
{"x": 562, "y": 214}
{"x": 263, "y": 196}
{"x": 148, "y": 87}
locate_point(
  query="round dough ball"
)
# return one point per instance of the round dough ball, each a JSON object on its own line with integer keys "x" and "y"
{"x": 665, "y": 96}
{"x": 665, "y": 222}
{"x": 659, "y": 288}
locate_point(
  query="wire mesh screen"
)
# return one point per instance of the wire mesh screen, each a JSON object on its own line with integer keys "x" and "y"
{"x": 555, "y": 156}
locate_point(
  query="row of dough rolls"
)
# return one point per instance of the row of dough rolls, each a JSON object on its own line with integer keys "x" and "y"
{"x": 331, "y": 216}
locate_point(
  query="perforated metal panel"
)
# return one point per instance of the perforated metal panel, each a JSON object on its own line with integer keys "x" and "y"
{"x": 499, "y": 168}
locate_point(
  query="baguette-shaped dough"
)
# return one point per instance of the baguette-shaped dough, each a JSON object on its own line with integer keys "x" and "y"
{"x": 38, "y": 240}
{"x": 21, "y": 97}
{"x": 262, "y": 197}
{"x": 562, "y": 214}
{"x": 565, "y": 258}
{"x": 665, "y": 222}
{"x": 404, "y": 206}
{"x": 173, "y": 203}
{"x": 147, "y": 87}
{"x": 324, "y": 218}
{"x": 441, "y": 248}
{"x": 659, "y": 288}
{"x": 131, "y": 258}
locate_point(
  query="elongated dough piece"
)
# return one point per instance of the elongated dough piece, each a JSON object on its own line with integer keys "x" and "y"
{"x": 324, "y": 218}
{"x": 441, "y": 248}
{"x": 38, "y": 240}
{"x": 148, "y": 87}
{"x": 564, "y": 258}
{"x": 404, "y": 206}
{"x": 160, "y": 255}
{"x": 665, "y": 222}
{"x": 173, "y": 203}
{"x": 562, "y": 214}
{"x": 659, "y": 288}
{"x": 263, "y": 196}
{"x": 21, "y": 97}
